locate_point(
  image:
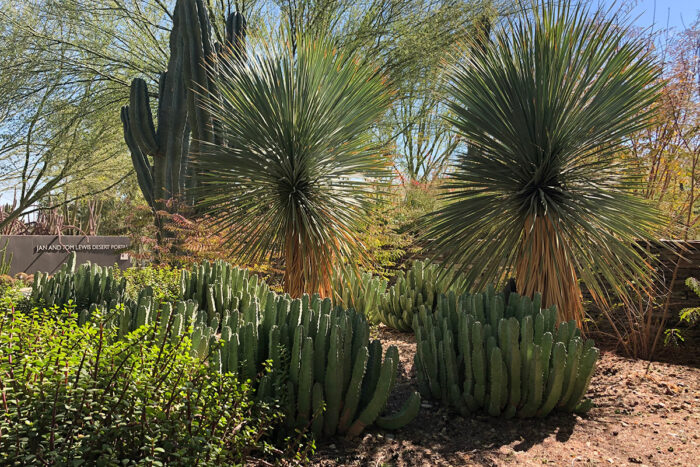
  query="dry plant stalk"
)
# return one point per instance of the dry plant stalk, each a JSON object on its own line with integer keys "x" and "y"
{"x": 543, "y": 261}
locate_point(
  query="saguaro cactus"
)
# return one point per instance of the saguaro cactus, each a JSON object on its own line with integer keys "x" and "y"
{"x": 182, "y": 122}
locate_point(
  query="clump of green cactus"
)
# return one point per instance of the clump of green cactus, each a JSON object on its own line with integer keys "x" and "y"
{"x": 323, "y": 369}
{"x": 413, "y": 291}
{"x": 183, "y": 124}
{"x": 219, "y": 287}
{"x": 320, "y": 356}
{"x": 85, "y": 285}
{"x": 477, "y": 352}
{"x": 360, "y": 291}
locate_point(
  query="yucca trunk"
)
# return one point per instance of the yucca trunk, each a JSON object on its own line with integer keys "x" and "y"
{"x": 306, "y": 269}
{"x": 544, "y": 266}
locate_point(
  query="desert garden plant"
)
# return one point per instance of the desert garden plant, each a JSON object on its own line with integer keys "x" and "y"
{"x": 415, "y": 290}
{"x": 317, "y": 360}
{"x": 78, "y": 393}
{"x": 503, "y": 356}
{"x": 293, "y": 175}
{"x": 545, "y": 108}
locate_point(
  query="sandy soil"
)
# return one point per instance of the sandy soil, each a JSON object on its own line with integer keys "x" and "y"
{"x": 645, "y": 414}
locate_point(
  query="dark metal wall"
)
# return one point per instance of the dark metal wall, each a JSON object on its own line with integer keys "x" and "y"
{"x": 46, "y": 253}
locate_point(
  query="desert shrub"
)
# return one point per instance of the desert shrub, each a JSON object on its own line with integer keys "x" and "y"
{"x": 76, "y": 394}
{"x": 164, "y": 279}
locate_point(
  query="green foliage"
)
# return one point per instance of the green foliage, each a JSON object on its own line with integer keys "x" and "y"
{"x": 416, "y": 290}
{"x": 295, "y": 175}
{"x": 687, "y": 316}
{"x": 77, "y": 393}
{"x": 164, "y": 280}
{"x": 691, "y": 316}
{"x": 477, "y": 353}
{"x": 545, "y": 108}
{"x": 311, "y": 355}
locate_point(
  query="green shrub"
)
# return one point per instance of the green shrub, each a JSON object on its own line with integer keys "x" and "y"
{"x": 257, "y": 326}
{"x": 78, "y": 394}
{"x": 478, "y": 353}
{"x": 413, "y": 291}
{"x": 164, "y": 280}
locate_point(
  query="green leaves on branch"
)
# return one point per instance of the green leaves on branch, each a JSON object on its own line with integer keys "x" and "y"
{"x": 477, "y": 353}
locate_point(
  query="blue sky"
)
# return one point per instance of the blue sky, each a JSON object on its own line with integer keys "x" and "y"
{"x": 658, "y": 12}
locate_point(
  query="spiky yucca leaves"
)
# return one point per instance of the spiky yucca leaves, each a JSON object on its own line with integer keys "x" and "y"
{"x": 294, "y": 174}
{"x": 544, "y": 108}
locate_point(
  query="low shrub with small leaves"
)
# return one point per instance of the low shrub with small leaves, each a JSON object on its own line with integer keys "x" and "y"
{"x": 76, "y": 394}
{"x": 164, "y": 280}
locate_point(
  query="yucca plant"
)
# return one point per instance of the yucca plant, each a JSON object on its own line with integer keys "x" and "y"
{"x": 294, "y": 172}
{"x": 545, "y": 107}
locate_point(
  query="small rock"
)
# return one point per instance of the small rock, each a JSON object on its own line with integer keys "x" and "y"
{"x": 390, "y": 436}
{"x": 332, "y": 446}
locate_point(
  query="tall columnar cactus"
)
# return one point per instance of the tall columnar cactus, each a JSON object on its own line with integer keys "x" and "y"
{"x": 413, "y": 291}
{"x": 359, "y": 291}
{"x": 475, "y": 352}
{"x": 85, "y": 285}
{"x": 182, "y": 122}
{"x": 321, "y": 356}
{"x": 219, "y": 288}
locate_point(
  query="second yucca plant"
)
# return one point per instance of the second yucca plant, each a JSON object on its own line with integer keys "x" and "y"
{"x": 545, "y": 108}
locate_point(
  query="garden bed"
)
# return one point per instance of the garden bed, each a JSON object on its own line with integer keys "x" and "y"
{"x": 641, "y": 417}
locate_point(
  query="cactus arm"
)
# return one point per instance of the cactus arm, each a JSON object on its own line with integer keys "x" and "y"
{"x": 403, "y": 417}
{"x": 376, "y": 404}
{"x": 352, "y": 396}
{"x": 306, "y": 380}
